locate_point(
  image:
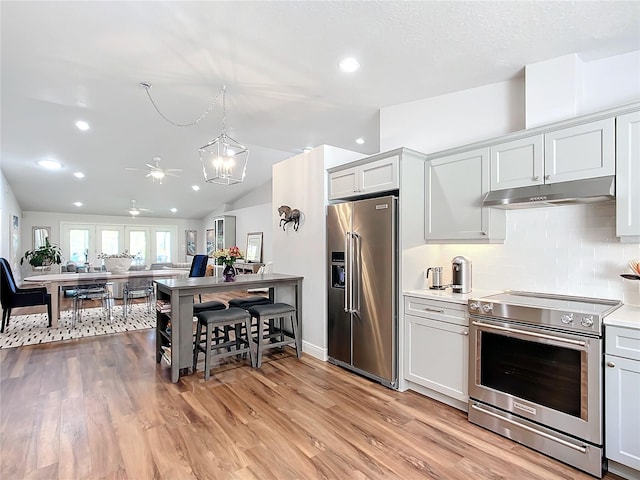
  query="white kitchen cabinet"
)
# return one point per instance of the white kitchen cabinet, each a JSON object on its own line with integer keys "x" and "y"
{"x": 517, "y": 163}
{"x": 572, "y": 153}
{"x": 628, "y": 176}
{"x": 622, "y": 397}
{"x": 454, "y": 188}
{"x": 376, "y": 175}
{"x": 581, "y": 151}
{"x": 437, "y": 346}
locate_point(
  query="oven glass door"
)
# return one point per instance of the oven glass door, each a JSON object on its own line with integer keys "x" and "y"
{"x": 547, "y": 375}
{"x": 552, "y": 378}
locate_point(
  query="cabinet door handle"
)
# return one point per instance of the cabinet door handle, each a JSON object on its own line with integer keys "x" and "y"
{"x": 611, "y": 364}
{"x": 536, "y": 178}
{"x": 547, "y": 177}
{"x": 433, "y": 310}
{"x": 466, "y": 332}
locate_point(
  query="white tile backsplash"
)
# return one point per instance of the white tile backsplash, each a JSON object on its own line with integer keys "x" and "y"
{"x": 570, "y": 249}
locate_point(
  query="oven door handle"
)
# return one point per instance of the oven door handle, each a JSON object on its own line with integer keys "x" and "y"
{"x": 570, "y": 341}
{"x": 579, "y": 448}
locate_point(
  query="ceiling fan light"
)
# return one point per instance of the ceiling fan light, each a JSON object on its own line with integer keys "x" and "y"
{"x": 157, "y": 174}
{"x": 133, "y": 212}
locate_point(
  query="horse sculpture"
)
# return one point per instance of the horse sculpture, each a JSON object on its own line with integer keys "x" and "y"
{"x": 288, "y": 215}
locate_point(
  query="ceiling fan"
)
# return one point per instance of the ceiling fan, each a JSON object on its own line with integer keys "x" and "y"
{"x": 135, "y": 211}
{"x": 156, "y": 173}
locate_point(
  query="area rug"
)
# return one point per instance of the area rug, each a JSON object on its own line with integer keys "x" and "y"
{"x": 32, "y": 329}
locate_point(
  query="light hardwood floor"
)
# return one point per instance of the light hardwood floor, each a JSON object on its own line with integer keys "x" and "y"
{"x": 101, "y": 408}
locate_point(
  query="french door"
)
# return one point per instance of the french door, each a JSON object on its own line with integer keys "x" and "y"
{"x": 149, "y": 244}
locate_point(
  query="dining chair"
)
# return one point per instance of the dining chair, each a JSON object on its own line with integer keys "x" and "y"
{"x": 137, "y": 288}
{"x": 199, "y": 268}
{"x": 12, "y": 296}
{"x": 98, "y": 291}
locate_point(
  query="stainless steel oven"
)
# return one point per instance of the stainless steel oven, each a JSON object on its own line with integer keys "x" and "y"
{"x": 535, "y": 372}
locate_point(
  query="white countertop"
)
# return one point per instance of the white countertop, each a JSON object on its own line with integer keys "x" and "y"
{"x": 626, "y": 316}
{"x": 448, "y": 295}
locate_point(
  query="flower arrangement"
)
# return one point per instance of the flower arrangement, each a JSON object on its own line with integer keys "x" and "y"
{"x": 227, "y": 256}
{"x": 124, "y": 254}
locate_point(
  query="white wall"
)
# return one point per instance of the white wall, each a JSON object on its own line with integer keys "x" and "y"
{"x": 8, "y": 208}
{"x": 565, "y": 250}
{"x": 300, "y": 182}
{"x": 455, "y": 119}
{"x": 256, "y": 218}
{"x": 253, "y": 214}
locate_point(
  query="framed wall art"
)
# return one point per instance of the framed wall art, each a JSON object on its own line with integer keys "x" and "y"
{"x": 191, "y": 241}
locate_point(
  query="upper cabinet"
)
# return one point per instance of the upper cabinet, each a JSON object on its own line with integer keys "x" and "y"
{"x": 376, "y": 175}
{"x": 628, "y": 177}
{"x": 454, "y": 188}
{"x": 518, "y": 163}
{"x": 573, "y": 153}
{"x": 583, "y": 151}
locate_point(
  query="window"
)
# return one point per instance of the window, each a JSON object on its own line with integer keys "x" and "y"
{"x": 163, "y": 246}
{"x": 78, "y": 245}
{"x": 83, "y": 242}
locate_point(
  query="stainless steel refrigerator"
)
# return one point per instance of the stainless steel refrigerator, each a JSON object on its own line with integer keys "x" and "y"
{"x": 362, "y": 299}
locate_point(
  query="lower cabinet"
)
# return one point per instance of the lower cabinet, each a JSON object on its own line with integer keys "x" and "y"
{"x": 437, "y": 347}
{"x": 622, "y": 400}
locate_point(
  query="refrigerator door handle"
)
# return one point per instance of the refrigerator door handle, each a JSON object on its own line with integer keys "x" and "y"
{"x": 356, "y": 276}
{"x": 347, "y": 272}
{"x": 350, "y": 275}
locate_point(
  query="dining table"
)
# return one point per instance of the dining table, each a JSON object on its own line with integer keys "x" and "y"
{"x": 179, "y": 294}
{"x": 54, "y": 282}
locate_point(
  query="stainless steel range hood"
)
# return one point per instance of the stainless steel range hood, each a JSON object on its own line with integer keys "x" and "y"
{"x": 564, "y": 193}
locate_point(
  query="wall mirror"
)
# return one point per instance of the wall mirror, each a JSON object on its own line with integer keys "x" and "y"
{"x": 39, "y": 236}
{"x": 211, "y": 242}
{"x": 254, "y": 247}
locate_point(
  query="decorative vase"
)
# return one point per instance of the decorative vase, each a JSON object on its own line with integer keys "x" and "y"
{"x": 117, "y": 265}
{"x": 229, "y": 273}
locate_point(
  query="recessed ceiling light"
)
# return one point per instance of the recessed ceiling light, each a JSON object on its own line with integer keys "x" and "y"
{"x": 77, "y": 204}
{"x": 50, "y": 164}
{"x": 349, "y": 64}
{"x": 174, "y": 210}
{"x": 360, "y": 141}
{"x": 82, "y": 125}
{"x": 196, "y": 187}
{"x": 78, "y": 175}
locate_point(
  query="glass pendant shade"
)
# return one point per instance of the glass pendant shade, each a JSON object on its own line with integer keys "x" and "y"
{"x": 224, "y": 160}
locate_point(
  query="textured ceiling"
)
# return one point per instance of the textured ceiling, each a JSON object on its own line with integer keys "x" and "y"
{"x": 64, "y": 61}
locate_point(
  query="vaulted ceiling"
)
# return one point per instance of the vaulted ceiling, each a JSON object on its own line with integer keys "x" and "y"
{"x": 68, "y": 61}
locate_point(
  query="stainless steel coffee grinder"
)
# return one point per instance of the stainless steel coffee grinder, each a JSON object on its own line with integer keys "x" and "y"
{"x": 460, "y": 275}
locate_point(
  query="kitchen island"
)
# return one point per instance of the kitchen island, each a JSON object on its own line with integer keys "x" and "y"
{"x": 180, "y": 292}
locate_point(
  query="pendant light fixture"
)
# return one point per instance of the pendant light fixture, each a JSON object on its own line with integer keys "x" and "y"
{"x": 224, "y": 161}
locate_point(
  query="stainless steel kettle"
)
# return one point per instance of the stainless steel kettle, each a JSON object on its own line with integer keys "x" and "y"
{"x": 460, "y": 275}
{"x": 436, "y": 278}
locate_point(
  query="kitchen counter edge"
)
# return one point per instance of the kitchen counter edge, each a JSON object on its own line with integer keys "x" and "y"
{"x": 448, "y": 295}
{"x": 626, "y": 316}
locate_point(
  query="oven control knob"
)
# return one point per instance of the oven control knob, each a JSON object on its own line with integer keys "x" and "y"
{"x": 566, "y": 318}
{"x": 587, "y": 321}
{"x": 487, "y": 307}
{"x": 473, "y": 306}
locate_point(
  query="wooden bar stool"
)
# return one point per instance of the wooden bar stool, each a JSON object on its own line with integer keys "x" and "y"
{"x": 212, "y": 321}
{"x": 276, "y": 335}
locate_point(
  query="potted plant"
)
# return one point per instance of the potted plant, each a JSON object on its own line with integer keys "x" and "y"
{"x": 43, "y": 256}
